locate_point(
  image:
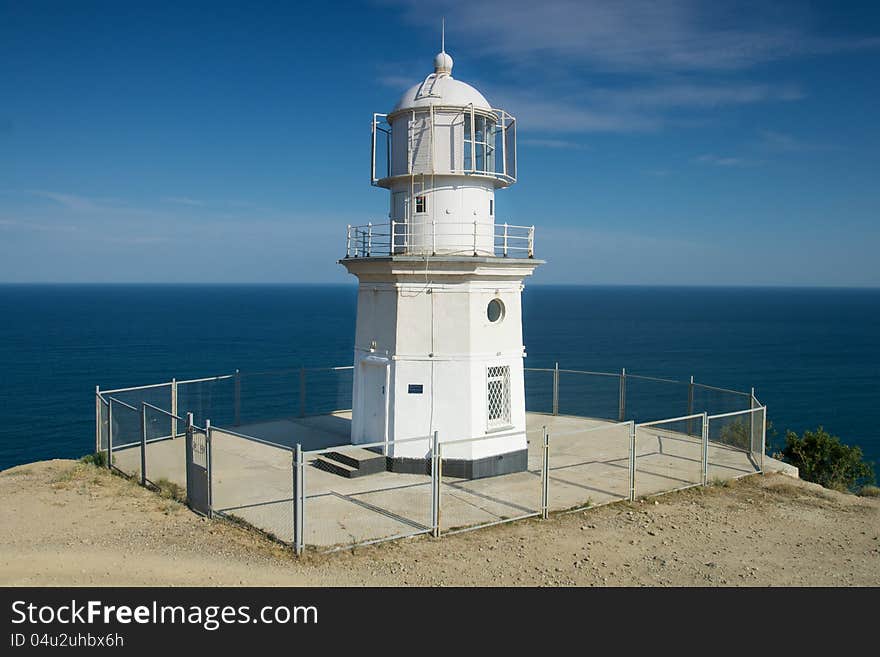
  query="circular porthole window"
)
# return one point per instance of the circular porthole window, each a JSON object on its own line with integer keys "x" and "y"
{"x": 495, "y": 310}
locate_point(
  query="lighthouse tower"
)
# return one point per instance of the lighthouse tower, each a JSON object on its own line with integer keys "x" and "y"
{"x": 438, "y": 343}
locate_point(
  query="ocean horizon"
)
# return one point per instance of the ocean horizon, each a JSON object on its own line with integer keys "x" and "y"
{"x": 811, "y": 353}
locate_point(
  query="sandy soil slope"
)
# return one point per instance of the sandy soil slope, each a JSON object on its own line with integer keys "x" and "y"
{"x": 65, "y": 523}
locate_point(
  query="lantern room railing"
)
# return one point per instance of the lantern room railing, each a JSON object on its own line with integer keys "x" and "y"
{"x": 440, "y": 238}
{"x": 484, "y": 139}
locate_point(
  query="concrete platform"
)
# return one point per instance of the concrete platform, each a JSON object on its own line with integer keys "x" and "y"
{"x": 589, "y": 465}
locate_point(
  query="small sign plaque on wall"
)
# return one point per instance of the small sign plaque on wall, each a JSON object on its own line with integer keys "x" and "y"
{"x": 415, "y": 388}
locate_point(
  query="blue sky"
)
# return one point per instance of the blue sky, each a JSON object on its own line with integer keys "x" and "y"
{"x": 660, "y": 142}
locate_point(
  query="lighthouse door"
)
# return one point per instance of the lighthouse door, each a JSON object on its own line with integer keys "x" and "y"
{"x": 373, "y": 402}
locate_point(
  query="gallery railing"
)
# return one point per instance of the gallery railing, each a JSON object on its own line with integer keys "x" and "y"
{"x": 430, "y": 237}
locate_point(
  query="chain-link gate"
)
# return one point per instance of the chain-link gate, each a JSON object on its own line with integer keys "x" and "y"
{"x": 198, "y": 467}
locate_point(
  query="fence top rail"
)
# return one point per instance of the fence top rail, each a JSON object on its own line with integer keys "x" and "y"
{"x": 119, "y": 401}
{"x": 668, "y": 420}
{"x": 289, "y": 370}
{"x": 653, "y": 378}
{"x": 328, "y": 369}
{"x": 732, "y": 413}
{"x": 708, "y": 387}
{"x": 133, "y": 388}
{"x": 573, "y": 432}
{"x": 219, "y": 377}
{"x": 162, "y": 410}
{"x": 612, "y": 374}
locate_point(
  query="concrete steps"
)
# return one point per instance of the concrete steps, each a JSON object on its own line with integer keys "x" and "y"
{"x": 351, "y": 463}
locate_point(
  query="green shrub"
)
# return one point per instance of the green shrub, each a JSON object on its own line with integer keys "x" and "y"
{"x": 98, "y": 459}
{"x": 823, "y": 459}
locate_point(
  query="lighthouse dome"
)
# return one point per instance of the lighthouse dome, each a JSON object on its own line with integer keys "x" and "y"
{"x": 441, "y": 89}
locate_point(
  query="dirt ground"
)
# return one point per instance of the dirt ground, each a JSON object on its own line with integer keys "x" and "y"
{"x": 69, "y": 524}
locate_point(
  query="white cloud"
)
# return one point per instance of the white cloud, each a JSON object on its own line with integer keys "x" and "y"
{"x": 666, "y": 57}
{"x": 697, "y": 96}
{"x": 723, "y": 161}
{"x": 182, "y": 200}
{"x": 630, "y": 35}
{"x": 70, "y": 201}
{"x": 781, "y": 142}
{"x": 562, "y": 144}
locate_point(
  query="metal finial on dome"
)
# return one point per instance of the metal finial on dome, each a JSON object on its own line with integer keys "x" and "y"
{"x": 442, "y": 61}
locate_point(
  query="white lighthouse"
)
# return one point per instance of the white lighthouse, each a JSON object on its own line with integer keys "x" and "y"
{"x": 438, "y": 343}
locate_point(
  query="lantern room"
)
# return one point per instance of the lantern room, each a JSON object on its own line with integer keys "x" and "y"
{"x": 442, "y": 152}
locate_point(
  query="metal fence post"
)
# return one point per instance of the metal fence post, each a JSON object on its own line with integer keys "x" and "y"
{"x": 439, "y": 488}
{"x": 109, "y": 432}
{"x": 690, "y": 411}
{"x": 237, "y": 399}
{"x": 298, "y": 487}
{"x": 143, "y": 444}
{"x": 545, "y": 476}
{"x": 556, "y": 389}
{"x": 173, "y": 408}
{"x": 97, "y": 419}
{"x": 302, "y": 391}
{"x": 632, "y": 461}
{"x": 705, "y": 441}
{"x": 209, "y": 457}
{"x": 621, "y": 399}
{"x": 435, "y": 485}
{"x": 763, "y": 439}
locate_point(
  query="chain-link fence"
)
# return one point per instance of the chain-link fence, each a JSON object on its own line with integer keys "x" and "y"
{"x": 736, "y": 444}
{"x": 669, "y": 455}
{"x": 124, "y": 437}
{"x": 591, "y": 438}
{"x": 468, "y": 502}
{"x": 587, "y": 394}
{"x": 588, "y": 465}
{"x": 539, "y": 386}
{"x": 236, "y": 399}
{"x": 146, "y": 444}
{"x": 252, "y": 481}
{"x": 164, "y": 450}
{"x": 341, "y": 507}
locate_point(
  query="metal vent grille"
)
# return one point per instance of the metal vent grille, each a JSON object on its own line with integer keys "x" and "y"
{"x": 498, "y": 396}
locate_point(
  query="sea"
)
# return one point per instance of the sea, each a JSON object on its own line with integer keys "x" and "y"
{"x": 812, "y": 355}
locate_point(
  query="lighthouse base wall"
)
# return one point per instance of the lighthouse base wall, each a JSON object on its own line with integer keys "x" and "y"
{"x": 489, "y": 466}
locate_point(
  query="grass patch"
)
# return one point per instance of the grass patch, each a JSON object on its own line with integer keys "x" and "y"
{"x": 67, "y": 475}
{"x": 870, "y": 491}
{"x": 170, "y": 490}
